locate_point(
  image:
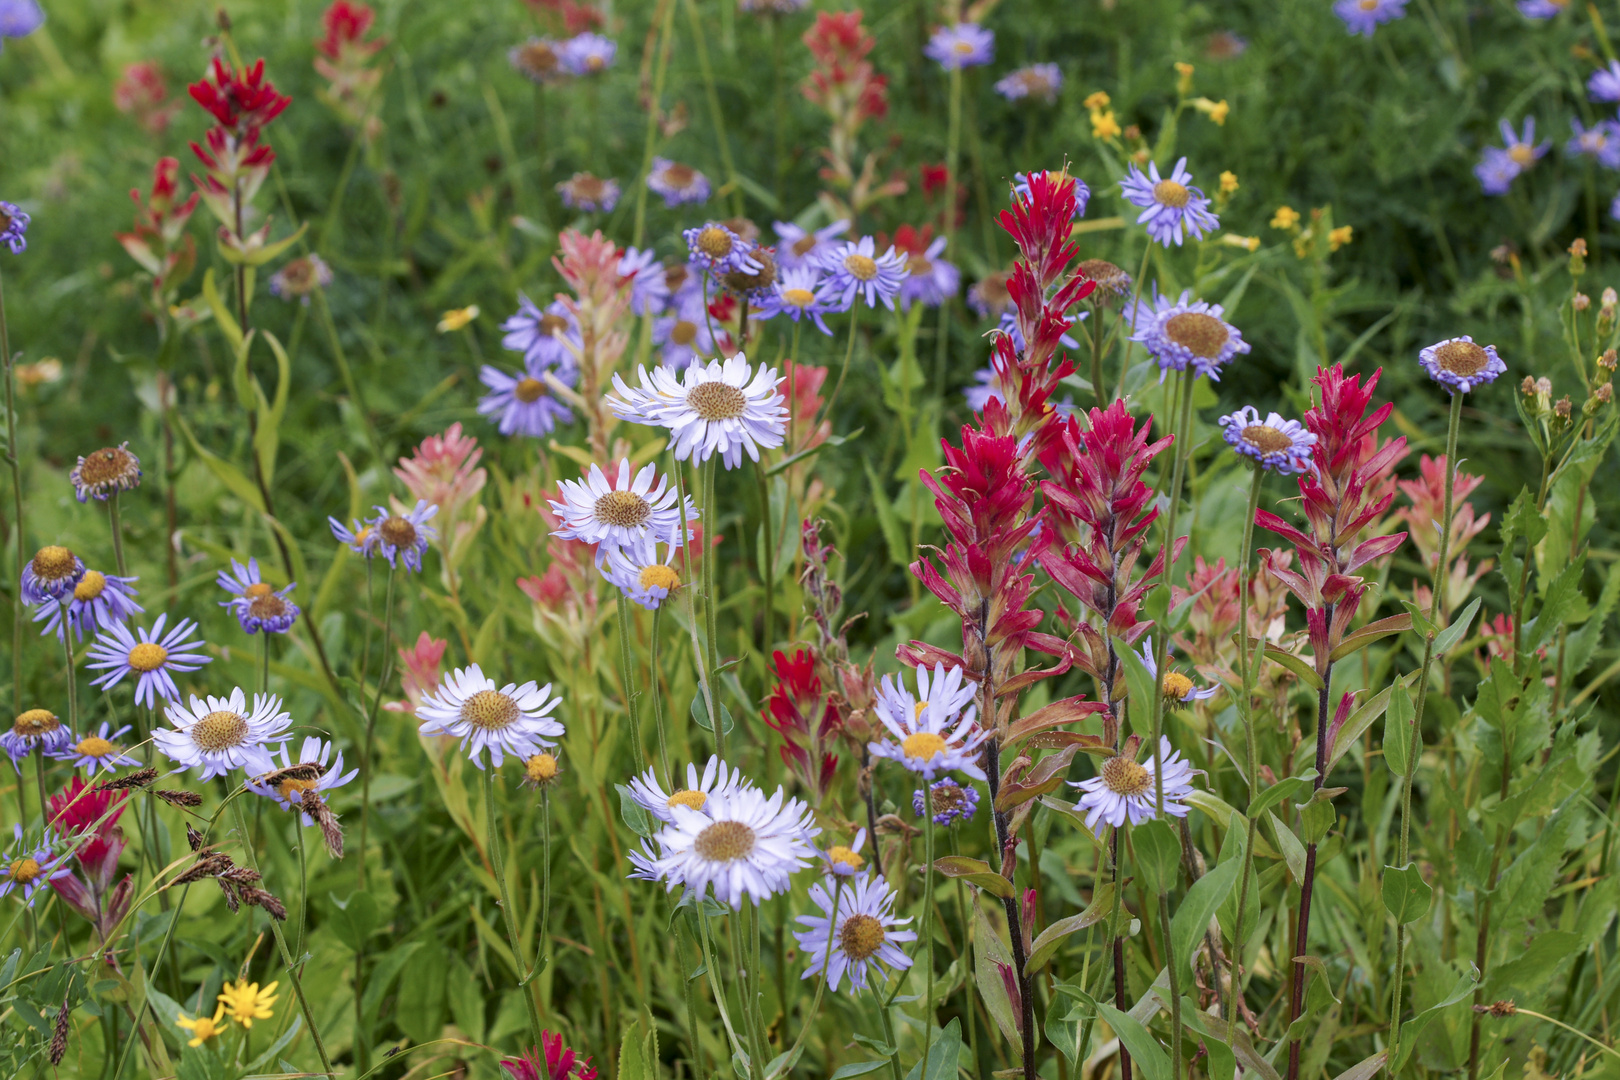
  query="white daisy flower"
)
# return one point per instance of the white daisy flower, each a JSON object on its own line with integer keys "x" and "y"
{"x": 1124, "y": 789}
{"x": 845, "y": 860}
{"x": 642, "y": 576}
{"x": 934, "y": 730}
{"x": 741, "y": 843}
{"x": 512, "y": 720}
{"x": 290, "y": 792}
{"x": 622, "y": 513}
{"x": 863, "y": 932}
{"x": 718, "y": 779}
{"x": 222, "y": 734}
{"x": 723, "y": 407}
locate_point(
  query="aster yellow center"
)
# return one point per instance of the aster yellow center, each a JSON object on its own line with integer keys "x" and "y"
{"x": 585, "y": 186}
{"x": 292, "y": 789}
{"x": 799, "y": 298}
{"x": 53, "y": 563}
{"x": 683, "y": 332}
{"x": 256, "y": 590}
{"x": 1367, "y": 5}
{"x": 94, "y": 746}
{"x": 861, "y": 267}
{"x": 679, "y": 176}
{"x": 922, "y": 746}
{"x": 861, "y": 936}
{"x": 845, "y": 856}
{"x": 1123, "y": 776}
{"x": 1265, "y": 438}
{"x": 540, "y": 769}
{"x": 716, "y": 400}
{"x": 805, "y": 244}
{"x": 529, "y": 390}
{"x": 147, "y": 656}
{"x": 1170, "y": 193}
{"x": 625, "y": 509}
{"x": 1200, "y": 334}
{"x": 1522, "y": 154}
{"x": 34, "y": 723}
{"x": 659, "y": 576}
{"x": 1462, "y": 358}
{"x": 490, "y": 710}
{"x": 692, "y": 800}
{"x": 725, "y": 841}
{"x": 552, "y": 325}
{"x": 92, "y": 585}
{"x": 268, "y": 606}
{"x": 1176, "y": 685}
{"x": 595, "y": 63}
{"x": 538, "y": 57}
{"x": 714, "y": 242}
{"x": 220, "y": 730}
{"x": 106, "y": 466}
{"x": 25, "y": 870}
{"x": 397, "y": 532}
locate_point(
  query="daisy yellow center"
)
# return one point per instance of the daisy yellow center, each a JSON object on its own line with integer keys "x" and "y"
{"x": 861, "y": 936}
{"x": 919, "y": 265}
{"x": 1265, "y": 438}
{"x": 725, "y": 841}
{"x": 34, "y": 723}
{"x": 716, "y": 400}
{"x": 1521, "y": 154}
{"x": 963, "y": 48}
{"x": 625, "y": 509}
{"x": 683, "y": 332}
{"x": 1170, "y": 193}
{"x": 106, "y": 466}
{"x": 799, "y": 298}
{"x": 540, "y": 769}
{"x": 552, "y": 325}
{"x": 53, "y": 563}
{"x": 805, "y": 244}
{"x": 363, "y": 535}
{"x": 529, "y": 390}
{"x": 1461, "y": 358}
{"x": 692, "y": 800}
{"x": 844, "y": 856}
{"x": 220, "y": 730}
{"x": 1368, "y": 5}
{"x": 1123, "y": 776}
{"x": 25, "y": 870}
{"x": 659, "y": 576}
{"x": 256, "y": 590}
{"x": 90, "y": 586}
{"x": 1200, "y": 334}
{"x": 147, "y": 656}
{"x": 586, "y": 186}
{"x": 861, "y": 267}
{"x": 94, "y": 746}
{"x": 1176, "y": 685}
{"x": 714, "y": 242}
{"x": 490, "y": 710}
{"x": 292, "y": 790}
{"x": 922, "y": 746}
{"x": 679, "y": 176}
{"x": 268, "y": 606}
{"x": 397, "y": 532}
{"x": 595, "y": 63}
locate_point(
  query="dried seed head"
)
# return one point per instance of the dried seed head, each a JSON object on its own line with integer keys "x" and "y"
{"x": 60, "y": 1036}
{"x": 138, "y": 779}
{"x": 180, "y": 798}
{"x": 193, "y": 837}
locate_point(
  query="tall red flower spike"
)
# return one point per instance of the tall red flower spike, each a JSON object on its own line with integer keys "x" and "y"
{"x": 802, "y": 712}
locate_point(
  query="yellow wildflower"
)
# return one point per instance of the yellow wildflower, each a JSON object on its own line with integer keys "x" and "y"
{"x": 1229, "y": 183}
{"x": 1218, "y": 112}
{"x": 1097, "y": 101}
{"x": 247, "y": 1002}
{"x": 1286, "y": 217}
{"x": 1247, "y": 243}
{"x": 203, "y": 1028}
{"x": 1184, "y": 71}
{"x": 1103, "y": 124}
{"x": 458, "y": 318}
{"x": 1339, "y": 237}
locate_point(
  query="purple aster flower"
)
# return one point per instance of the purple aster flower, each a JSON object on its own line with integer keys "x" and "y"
{"x": 1542, "y": 9}
{"x": 105, "y": 473}
{"x": 1604, "y": 83}
{"x": 590, "y": 193}
{"x": 1282, "y": 446}
{"x": 717, "y": 249}
{"x": 254, "y": 603}
{"x": 543, "y": 338}
{"x": 1187, "y": 333}
{"x": 539, "y": 60}
{"x": 1600, "y": 142}
{"x": 98, "y": 600}
{"x": 587, "y": 54}
{"x": 358, "y": 536}
{"x": 1038, "y": 82}
{"x": 1522, "y": 148}
{"x": 1169, "y": 204}
{"x": 51, "y": 574}
{"x": 13, "y": 227}
{"x": 961, "y": 46}
{"x": 98, "y": 751}
{"x": 34, "y": 729}
{"x": 1082, "y": 193}
{"x": 18, "y": 19}
{"x": 683, "y": 336}
{"x": 1459, "y": 364}
{"x": 951, "y": 801}
{"x": 300, "y": 277}
{"x": 797, "y": 247}
{"x": 649, "y": 289}
{"x": 1496, "y": 171}
{"x": 930, "y": 280}
{"x": 404, "y": 536}
{"x": 525, "y": 403}
{"x": 27, "y": 868}
{"x": 1365, "y": 16}
{"x": 152, "y": 658}
{"x": 290, "y": 793}
{"x": 855, "y": 267}
{"x": 677, "y": 183}
{"x": 800, "y": 292}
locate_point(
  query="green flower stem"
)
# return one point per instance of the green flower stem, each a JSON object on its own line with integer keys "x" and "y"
{"x": 371, "y": 722}
{"x": 1403, "y": 855}
{"x": 826, "y": 959}
{"x": 497, "y": 861}
{"x": 17, "y": 511}
{"x": 698, "y": 656}
{"x": 716, "y": 987}
{"x": 953, "y": 140}
{"x": 116, "y": 526}
{"x": 767, "y": 569}
{"x": 264, "y": 661}
{"x": 1140, "y": 297}
{"x": 627, "y": 673}
{"x": 888, "y": 1030}
{"x": 711, "y": 614}
{"x": 658, "y": 698}
{"x": 843, "y": 373}
{"x": 701, "y": 47}
{"x": 72, "y": 680}
{"x": 1117, "y": 944}
{"x": 928, "y": 919}
{"x": 1246, "y": 714}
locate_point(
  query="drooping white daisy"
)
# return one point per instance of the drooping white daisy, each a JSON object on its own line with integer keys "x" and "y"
{"x": 862, "y": 932}
{"x": 1124, "y": 789}
{"x": 723, "y": 407}
{"x": 511, "y": 720}
{"x": 623, "y": 513}
{"x": 152, "y": 659}
{"x": 98, "y": 751}
{"x": 221, "y": 734}
{"x": 290, "y": 792}
{"x": 642, "y": 576}
{"x": 845, "y": 860}
{"x": 934, "y": 729}
{"x": 1174, "y": 686}
{"x": 741, "y": 843}
{"x": 718, "y": 779}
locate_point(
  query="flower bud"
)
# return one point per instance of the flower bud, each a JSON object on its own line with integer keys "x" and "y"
{"x": 1581, "y": 302}
{"x": 1577, "y": 257}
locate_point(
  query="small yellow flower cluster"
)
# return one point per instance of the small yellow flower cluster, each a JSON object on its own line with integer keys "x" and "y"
{"x": 1215, "y": 110}
{"x": 1103, "y": 124}
{"x": 1309, "y": 240}
{"x": 457, "y": 319}
{"x": 241, "y": 1001}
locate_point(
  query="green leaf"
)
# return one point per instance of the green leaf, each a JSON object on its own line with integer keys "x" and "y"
{"x": 1198, "y": 907}
{"x": 1293, "y": 851}
{"x": 1317, "y": 816}
{"x": 857, "y": 1068}
{"x": 1145, "y": 1050}
{"x": 1297, "y": 664}
{"x": 1560, "y": 602}
{"x": 1415, "y": 1026}
{"x": 988, "y": 951}
{"x": 1406, "y": 895}
{"x": 1366, "y": 1068}
{"x": 1158, "y": 854}
{"x": 633, "y": 814}
{"x": 227, "y": 474}
{"x": 700, "y": 715}
{"x": 888, "y": 521}
{"x": 1289, "y": 788}
{"x": 633, "y": 1064}
{"x": 942, "y": 1055}
{"x": 355, "y": 919}
{"x": 380, "y": 976}
{"x": 1373, "y": 631}
{"x": 222, "y": 314}
{"x": 976, "y": 872}
{"x": 1042, "y": 948}
{"x": 1139, "y": 682}
{"x": 1531, "y": 967}
{"x": 1447, "y": 639}
{"x": 1397, "y": 741}
{"x": 262, "y": 1062}
{"x": 1527, "y": 883}
{"x": 267, "y": 439}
